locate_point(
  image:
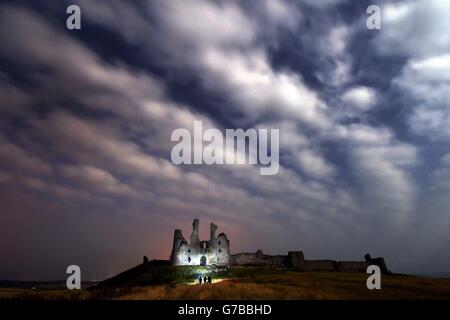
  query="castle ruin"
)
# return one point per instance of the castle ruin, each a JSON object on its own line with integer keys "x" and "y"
{"x": 216, "y": 251}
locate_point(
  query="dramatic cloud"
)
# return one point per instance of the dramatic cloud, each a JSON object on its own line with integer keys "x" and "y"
{"x": 415, "y": 28}
{"x": 418, "y": 30}
{"x": 426, "y": 82}
{"x": 360, "y": 98}
{"x": 87, "y": 116}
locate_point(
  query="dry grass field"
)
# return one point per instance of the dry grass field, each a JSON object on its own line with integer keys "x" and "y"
{"x": 255, "y": 283}
{"x": 309, "y": 286}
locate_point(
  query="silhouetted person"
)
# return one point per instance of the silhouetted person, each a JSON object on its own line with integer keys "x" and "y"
{"x": 209, "y": 279}
{"x": 200, "y": 280}
{"x": 204, "y": 279}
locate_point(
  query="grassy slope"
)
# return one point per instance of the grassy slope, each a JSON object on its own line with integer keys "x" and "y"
{"x": 168, "y": 282}
{"x": 295, "y": 285}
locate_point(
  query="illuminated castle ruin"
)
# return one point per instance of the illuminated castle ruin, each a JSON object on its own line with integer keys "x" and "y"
{"x": 215, "y": 251}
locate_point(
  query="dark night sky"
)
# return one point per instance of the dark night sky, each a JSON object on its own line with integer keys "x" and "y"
{"x": 86, "y": 119}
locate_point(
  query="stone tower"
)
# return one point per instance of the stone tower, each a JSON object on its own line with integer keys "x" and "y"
{"x": 195, "y": 239}
{"x": 216, "y": 251}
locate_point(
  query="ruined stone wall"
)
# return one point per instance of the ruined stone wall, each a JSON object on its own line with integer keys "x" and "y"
{"x": 219, "y": 250}
{"x": 189, "y": 255}
{"x": 321, "y": 265}
{"x": 379, "y": 261}
{"x": 215, "y": 251}
{"x": 244, "y": 258}
{"x": 178, "y": 241}
{"x": 257, "y": 258}
{"x": 352, "y": 266}
{"x": 296, "y": 260}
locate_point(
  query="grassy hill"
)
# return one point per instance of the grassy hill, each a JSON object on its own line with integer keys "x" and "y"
{"x": 170, "y": 282}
